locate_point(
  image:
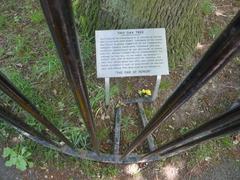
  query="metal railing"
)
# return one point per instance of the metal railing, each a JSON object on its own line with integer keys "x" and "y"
{"x": 59, "y": 17}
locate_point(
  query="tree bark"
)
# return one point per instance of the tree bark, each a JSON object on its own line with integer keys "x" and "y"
{"x": 181, "y": 18}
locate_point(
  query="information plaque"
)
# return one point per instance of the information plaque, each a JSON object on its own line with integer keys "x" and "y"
{"x": 131, "y": 52}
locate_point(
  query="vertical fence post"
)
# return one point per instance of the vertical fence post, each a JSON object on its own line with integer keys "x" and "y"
{"x": 60, "y": 21}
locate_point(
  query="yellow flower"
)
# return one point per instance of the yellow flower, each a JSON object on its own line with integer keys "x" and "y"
{"x": 148, "y": 92}
{"x": 145, "y": 92}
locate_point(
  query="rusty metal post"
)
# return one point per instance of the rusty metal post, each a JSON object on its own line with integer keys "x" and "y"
{"x": 60, "y": 21}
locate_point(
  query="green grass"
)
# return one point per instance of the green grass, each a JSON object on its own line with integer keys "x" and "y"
{"x": 1, "y": 51}
{"x": 149, "y": 111}
{"x": 3, "y": 21}
{"x": 214, "y": 31}
{"x": 130, "y": 136}
{"x": 37, "y": 17}
{"x": 165, "y": 84}
{"x": 31, "y": 93}
{"x": 5, "y": 131}
{"x": 78, "y": 136}
{"x": 22, "y": 50}
{"x": 213, "y": 149}
{"x": 103, "y": 133}
{"x": 48, "y": 64}
{"x": 207, "y": 7}
{"x": 96, "y": 170}
{"x": 184, "y": 130}
{"x": 127, "y": 121}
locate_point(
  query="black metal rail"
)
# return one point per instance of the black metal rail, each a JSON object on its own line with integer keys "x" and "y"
{"x": 59, "y": 17}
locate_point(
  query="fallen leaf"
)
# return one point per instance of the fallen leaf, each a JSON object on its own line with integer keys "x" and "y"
{"x": 219, "y": 13}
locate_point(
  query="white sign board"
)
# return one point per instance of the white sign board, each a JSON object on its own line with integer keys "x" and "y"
{"x": 131, "y": 52}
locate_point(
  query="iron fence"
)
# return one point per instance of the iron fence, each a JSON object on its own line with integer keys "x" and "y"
{"x": 59, "y": 17}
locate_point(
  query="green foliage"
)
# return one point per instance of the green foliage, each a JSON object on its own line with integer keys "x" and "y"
{"x": 48, "y": 64}
{"x": 225, "y": 142}
{"x": 87, "y": 49}
{"x": 1, "y": 51}
{"x": 97, "y": 95}
{"x": 4, "y": 131}
{"x": 129, "y": 136}
{"x": 165, "y": 84}
{"x": 78, "y": 136}
{"x": 114, "y": 90}
{"x": 207, "y": 7}
{"x": 37, "y": 17}
{"x": 93, "y": 169}
{"x": 211, "y": 149}
{"x": 27, "y": 89}
{"x": 149, "y": 111}
{"x": 22, "y": 50}
{"x": 184, "y": 130}
{"x": 214, "y": 31}
{"x": 2, "y": 22}
{"x": 201, "y": 152}
{"x": 19, "y": 158}
{"x": 103, "y": 133}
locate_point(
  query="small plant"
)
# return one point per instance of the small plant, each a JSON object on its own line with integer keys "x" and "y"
{"x": 129, "y": 136}
{"x": 37, "y": 17}
{"x": 184, "y": 130}
{"x": 214, "y": 31}
{"x": 78, "y": 136}
{"x": 19, "y": 158}
{"x": 207, "y": 7}
{"x": 149, "y": 111}
{"x": 4, "y": 132}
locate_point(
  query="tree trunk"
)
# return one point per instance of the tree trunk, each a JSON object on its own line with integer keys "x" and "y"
{"x": 181, "y": 18}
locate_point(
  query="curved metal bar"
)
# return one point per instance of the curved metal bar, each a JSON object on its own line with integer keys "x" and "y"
{"x": 60, "y": 22}
{"x": 20, "y": 125}
{"x": 8, "y": 88}
{"x": 228, "y": 122}
{"x": 222, "y": 127}
{"x": 221, "y": 51}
